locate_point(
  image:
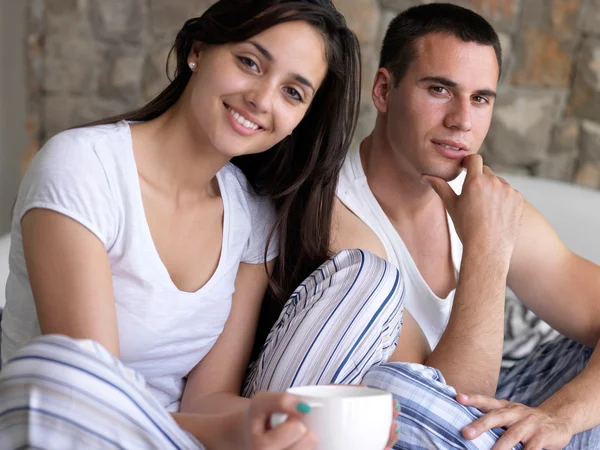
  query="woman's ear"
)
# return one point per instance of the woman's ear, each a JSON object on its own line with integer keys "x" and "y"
{"x": 382, "y": 86}
{"x": 197, "y": 48}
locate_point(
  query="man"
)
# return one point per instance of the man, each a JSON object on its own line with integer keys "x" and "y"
{"x": 416, "y": 193}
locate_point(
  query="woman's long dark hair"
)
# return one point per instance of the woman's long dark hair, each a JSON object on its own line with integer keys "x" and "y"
{"x": 300, "y": 173}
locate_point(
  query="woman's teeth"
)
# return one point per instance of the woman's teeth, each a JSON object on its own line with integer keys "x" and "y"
{"x": 242, "y": 120}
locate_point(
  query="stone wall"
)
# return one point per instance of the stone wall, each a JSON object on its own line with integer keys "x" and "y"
{"x": 91, "y": 58}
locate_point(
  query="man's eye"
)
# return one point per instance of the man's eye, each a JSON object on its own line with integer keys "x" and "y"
{"x": 439, "y": 89}
{"x": 480, "y": 99}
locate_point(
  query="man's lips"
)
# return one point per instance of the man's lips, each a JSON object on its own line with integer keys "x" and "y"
{"x": 451, "y": 149}
{"x": 451, "y": 144}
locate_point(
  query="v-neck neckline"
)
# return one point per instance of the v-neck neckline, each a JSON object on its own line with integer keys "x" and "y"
{"x": 166, "y": 278}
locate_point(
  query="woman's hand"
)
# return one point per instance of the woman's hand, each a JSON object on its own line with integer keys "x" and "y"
{"x": 290, "y": 435}
{"x": 395, "y": 431}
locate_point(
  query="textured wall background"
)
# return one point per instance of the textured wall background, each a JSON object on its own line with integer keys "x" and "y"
{"x": 13, "y": 138}
{"x": 92, "y": 58}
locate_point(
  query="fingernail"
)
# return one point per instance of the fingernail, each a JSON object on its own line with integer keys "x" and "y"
{"x": 397, "y": 404}
{"x": 425, "y": 181}
{"x": 303, "y": 408}
{"x": 397, "y": 428}
{"x": 470, "y": 431}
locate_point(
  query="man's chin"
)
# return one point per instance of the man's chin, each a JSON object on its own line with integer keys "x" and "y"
{"x": 447, "y": 175}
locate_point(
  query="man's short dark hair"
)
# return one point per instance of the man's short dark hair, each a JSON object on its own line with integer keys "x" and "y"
{"x": 399, "y": 45}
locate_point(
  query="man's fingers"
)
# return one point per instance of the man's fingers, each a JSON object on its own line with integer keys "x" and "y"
{"x": 510, "y": 438}
{"x": 526, "y": 432}
{"x": 481, "y": 402}
{"x": 495, "y": 419}
{"x": 443, "y": 189}
{"x": 534, "y": 444}
{"x": 473, "y": 164}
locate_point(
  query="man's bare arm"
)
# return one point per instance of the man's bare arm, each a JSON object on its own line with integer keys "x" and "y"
{"x": 561, "y": 287}
{"x": 487, "y": 217}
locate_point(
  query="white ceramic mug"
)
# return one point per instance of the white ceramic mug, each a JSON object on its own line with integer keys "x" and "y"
{"x": 345, "y": 417}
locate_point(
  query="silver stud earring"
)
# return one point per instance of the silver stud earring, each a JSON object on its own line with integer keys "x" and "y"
{"x": 192, "y": 65}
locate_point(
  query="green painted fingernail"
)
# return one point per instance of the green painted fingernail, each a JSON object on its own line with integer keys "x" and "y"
{"x": 303, "y": 408}
{"x": 397, "y": 404}
{"x": 397, "y": 428}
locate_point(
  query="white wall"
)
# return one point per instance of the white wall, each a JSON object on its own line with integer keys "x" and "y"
{"x": 13, "y": 138}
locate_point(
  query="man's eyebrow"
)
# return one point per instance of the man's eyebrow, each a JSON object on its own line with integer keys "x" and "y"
{"x": 486, "y": 93}
{"x": 299, "y": 78}
{"x": 441, "y": 80}
{"x": 453, "y": 84}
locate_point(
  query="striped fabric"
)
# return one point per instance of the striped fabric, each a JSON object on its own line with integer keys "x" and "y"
{"x": 430, "y": 418}
{"x": 523, "y": 331}
{"x": 345, "y": 318}
{"x": 542, "y": 373}
{"x": 61, "y": 393}
{"x": 340, "y": 326}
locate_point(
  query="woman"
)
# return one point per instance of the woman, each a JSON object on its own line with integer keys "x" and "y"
{"x": 141, "y": 252}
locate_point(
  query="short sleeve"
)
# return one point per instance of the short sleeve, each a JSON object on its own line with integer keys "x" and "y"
{"x": 262, "y": 218}
{"x": 68, "y": 177}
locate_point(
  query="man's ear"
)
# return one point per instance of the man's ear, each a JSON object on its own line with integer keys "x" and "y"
{"x": 382, "y": 87}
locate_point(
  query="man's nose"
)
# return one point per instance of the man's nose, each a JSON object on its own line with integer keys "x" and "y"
{"x": 459, "y": 115}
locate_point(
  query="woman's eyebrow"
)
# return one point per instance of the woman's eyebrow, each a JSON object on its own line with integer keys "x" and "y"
{"x": 262, "y": 50}
{"x": 300, "y": 79}
{"x": 267, "y": 54}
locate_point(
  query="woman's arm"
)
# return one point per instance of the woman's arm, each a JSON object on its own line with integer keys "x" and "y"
{"x": 71, "y": 281}
{"x": 70, "y": 277}
{"x": 214, "y": 384}
{"x": 249, "y": 429}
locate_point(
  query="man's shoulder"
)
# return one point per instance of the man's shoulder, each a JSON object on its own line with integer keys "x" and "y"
{"x": 349, "y": 231}
{"x": 348, "y": 172}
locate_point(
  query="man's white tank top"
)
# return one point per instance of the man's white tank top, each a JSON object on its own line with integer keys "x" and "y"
{"x": 430, "y": 311}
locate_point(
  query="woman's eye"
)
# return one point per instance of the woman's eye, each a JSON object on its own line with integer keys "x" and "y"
{"x": 293, "y": 93}
{"x": 248, "y": 62}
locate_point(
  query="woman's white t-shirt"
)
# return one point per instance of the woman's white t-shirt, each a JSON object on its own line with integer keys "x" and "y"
{"x": 90, "y": 175}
